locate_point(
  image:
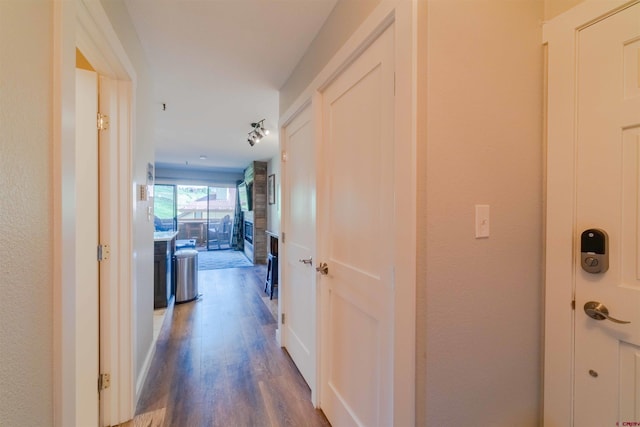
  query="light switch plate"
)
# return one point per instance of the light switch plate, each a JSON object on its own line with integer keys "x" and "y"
{"x": 143, "y": 193}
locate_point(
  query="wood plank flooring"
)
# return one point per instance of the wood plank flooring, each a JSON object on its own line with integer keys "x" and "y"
{"x": 217, "y": 362}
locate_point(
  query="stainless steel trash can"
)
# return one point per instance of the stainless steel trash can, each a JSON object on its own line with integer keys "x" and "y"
{"x": 186, "y": 275}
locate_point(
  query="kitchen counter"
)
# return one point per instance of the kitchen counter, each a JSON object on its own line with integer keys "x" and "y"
{"x": 164, "y": 236}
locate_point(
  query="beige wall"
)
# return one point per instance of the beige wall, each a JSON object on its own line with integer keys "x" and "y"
{"x": 553, "y": 8}
{"x": 481, "y": 308}
{"x": 344, "y": 19}
{"x": 26, "y": 261}
{"x": 143, "y": 153}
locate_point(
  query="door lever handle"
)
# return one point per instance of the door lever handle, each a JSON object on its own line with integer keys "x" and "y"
{"x": 308, "y": 261}
{"x": 599, "y": 311}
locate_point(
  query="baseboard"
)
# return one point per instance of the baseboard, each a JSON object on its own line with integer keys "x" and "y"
{"x": 168, "y": 312}
{"x": 145, "y": 369}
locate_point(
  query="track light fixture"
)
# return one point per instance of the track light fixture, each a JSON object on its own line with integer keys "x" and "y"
{"x": 258, "y": 132}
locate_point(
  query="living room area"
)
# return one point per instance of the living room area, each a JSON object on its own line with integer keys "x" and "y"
{"x": 224, "y": 219}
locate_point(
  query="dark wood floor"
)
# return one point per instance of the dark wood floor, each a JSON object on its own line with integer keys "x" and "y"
{"x": 217, "y": 362}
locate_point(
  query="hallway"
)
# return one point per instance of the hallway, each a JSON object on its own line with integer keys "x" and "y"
{"x": 217, "y": 362}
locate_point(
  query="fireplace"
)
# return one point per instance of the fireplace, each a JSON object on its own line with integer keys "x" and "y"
{"x": 248, "y": 231}
{"x": 248, "y": 240}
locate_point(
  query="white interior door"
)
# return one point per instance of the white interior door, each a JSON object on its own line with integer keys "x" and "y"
{"x": 87, "y": 306}
{"x": 356, "y": 240}
{"x": 607, "y": 354}
{"x": 299, "y": 281}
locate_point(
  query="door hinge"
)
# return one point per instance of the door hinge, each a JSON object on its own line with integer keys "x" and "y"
{"x": 103, "y": 252}
{"x": 104, "y": 381}
{"x": 283, "y": 237}
{"x": 283, "y": 156}
{"x": 103, "y": 122}
{"x": 282, "y": 317}
{"x": 573, "y": 305}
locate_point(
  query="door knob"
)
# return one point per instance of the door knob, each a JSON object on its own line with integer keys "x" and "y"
{"x": 308, "y": 261}
{"x": 323, "y": 268}
{"x": 599, "y": 311}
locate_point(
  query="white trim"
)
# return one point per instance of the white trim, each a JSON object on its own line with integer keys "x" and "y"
{"x": 64, "y": 248}
{"x": 84, "y": 23}
{"x": 560, "y": 34}
{"x": 316, "y": 106}
{"x": 126, "y": 324}
{"x": 404, "y": 14}
{"x": 99, "y": 42}
{"x": 404, "y": 407}
{"x": 103, "y": 49}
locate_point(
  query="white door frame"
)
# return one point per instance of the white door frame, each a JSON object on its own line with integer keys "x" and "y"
{"x": 84, "y": 24}
{"x": 560, "y": 37}
{"x": 404, "y": 14}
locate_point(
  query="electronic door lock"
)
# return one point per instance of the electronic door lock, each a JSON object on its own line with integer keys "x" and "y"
{"x": 594, "y": 251}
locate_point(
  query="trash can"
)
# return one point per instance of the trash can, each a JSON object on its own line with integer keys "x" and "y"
{"x": 186, "y": 275}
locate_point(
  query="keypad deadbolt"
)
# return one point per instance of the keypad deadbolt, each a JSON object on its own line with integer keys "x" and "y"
{"x": 594, "y": 251}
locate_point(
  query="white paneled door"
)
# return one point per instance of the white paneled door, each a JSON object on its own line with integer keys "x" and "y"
{"x": 607, "y": 353}
{"x": 356, "y": 240}
{"x": 299, "y": 216}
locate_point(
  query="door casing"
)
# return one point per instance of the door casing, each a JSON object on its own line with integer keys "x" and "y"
{"x": 83, "y": 24}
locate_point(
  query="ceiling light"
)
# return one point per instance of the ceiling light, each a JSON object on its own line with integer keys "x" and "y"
{"x": 258, "y": 132}
{"x": 203, "y": 157}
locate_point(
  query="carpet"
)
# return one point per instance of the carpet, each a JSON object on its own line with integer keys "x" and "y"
{"x": 214, "y": 260}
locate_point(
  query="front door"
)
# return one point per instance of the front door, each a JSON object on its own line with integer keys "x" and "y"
{"x": 356, "y": 240}
{"x": 299, "y": 303}
{"x": 607, "y": 352}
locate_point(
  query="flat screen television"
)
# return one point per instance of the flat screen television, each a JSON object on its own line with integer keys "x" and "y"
{"x": 244, "y": 193}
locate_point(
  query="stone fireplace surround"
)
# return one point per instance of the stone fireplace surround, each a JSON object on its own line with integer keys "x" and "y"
{"x": 256, "y": 248}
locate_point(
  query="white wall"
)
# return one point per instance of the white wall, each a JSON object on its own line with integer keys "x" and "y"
{"x": 273, "y": 211}
{"x": 26, "y": 260}
{"x": 143, "y": 154}
{"x": 480, "y": 341}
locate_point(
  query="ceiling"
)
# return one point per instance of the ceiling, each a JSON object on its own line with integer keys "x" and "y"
{"x": 217, "y": 66}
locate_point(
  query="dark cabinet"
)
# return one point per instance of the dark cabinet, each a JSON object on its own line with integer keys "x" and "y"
{"x": 163, "y": 272}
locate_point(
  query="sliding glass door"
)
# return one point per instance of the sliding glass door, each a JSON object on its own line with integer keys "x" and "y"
{"x": 203, "y": 215}
{"x": 164, "y": 207}
{"x": 221, "y": 211}
{"x": 191, "y": 204}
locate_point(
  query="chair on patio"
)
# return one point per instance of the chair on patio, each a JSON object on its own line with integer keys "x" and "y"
{"x": 213, "y": 237}
{"x": 224, "y": 231}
